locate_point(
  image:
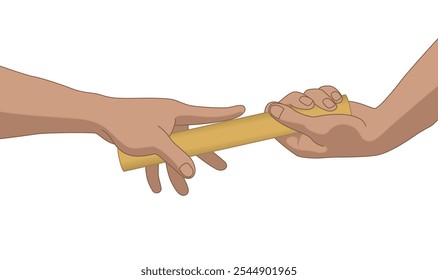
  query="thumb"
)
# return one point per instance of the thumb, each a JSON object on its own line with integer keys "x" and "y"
{"x": 291, "y": 118}
{"x": 174, "y": 156}
{"x": 199, "y": 115}
{"x": 314, "y": 127}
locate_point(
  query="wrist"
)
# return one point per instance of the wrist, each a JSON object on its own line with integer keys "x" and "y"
{"x": 373, "y": 130}
{"x": 93, "y": 110}
{"x": 380, "y": 124}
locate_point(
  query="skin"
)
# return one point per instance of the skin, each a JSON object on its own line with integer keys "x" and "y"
{"x": 137, "y": 126}
{"x": 142, "y": 126}
{"x": 408, "y": 110}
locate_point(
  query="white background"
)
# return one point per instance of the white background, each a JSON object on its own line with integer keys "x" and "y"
{"x": 67, "y": 211}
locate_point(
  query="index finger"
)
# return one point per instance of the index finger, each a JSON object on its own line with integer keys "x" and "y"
{"x": 201, "y": 115}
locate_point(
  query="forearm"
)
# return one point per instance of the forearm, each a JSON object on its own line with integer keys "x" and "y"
{"x": 411, "y": 107}
{"x": 30, "y": 105}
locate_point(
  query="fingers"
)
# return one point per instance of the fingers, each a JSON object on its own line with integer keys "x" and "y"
{"x": 322, "y": 99}
{"x": 326, "y": 97}
{"x": 333, "y": 93}
{"x": 200, "y": 115}
{"x": 295, "y": 99}
{"x": 178, "y": 182}
{"x": 153, "y": 178}
{"x": 174, "y": 156}
{"x": 319, "y": 128}
{"x": 298, "y": 100}
{"x": 214, "y": 161}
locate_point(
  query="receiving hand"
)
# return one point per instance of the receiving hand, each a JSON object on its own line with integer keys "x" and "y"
{"x": 331, "y": 135}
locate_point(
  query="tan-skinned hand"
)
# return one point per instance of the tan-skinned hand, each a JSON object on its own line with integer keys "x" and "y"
{"x": 326, "y": 136}
{"x": 142, "y": 126}
{"x": 137, "y": 126}
{"x": 408, "y": 110}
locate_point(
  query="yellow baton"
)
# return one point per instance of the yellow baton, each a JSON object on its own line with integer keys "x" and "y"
{"x": 228, "y": 134}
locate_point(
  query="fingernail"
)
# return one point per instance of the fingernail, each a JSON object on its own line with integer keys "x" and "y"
{"x": 276, "y": 111}
{"x": 306, "y": 100}
{"x": 186, "y": 170}
{"x": 336, "y": 95}
{"x": 328, "y": 103}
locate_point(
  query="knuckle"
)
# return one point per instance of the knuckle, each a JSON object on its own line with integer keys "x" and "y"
{"x": 312, "y": 91}
{"x": 295, "y": 93}
{"x": 327, "y": 87}
{"x": 175, "y": 105}
{"x": 329, "y": 90}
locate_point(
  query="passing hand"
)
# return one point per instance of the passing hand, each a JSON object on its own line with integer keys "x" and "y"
{"x": 142, "y": 126}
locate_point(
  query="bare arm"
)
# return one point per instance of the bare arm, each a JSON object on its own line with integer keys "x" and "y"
{"x": 137, "y": 126}
{"x": 31, "y": 105}
{"x": 412, "y": 106}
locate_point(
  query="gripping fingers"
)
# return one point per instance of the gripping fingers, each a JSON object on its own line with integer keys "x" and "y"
{"x": 153, "y": 178}
{"x": 213, "y": 160}
{"x": 199, "y": 115}
{"x": 174, "y": 156}
{"x": 321, "y": 99}
{"x": 333, "y": 93}
{"x": 298, "y": 100}
{"x": 178, "y": 182}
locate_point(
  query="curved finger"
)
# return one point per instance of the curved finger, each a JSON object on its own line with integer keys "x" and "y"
{"x": 333, "y": 93}
{"x": 201, "y": 115}
{"x": 174, "y": 156}
{"x": 178, "y": 182}
{"x": 321, "y": 99}
{"x": 298, "y": 100}
{"x": 153, "y": 178}
{"x": 213, "y": 160}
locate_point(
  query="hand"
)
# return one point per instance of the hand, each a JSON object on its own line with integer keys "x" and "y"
{"x": 331, "y": 135}
{"x": 142, "y": 127}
